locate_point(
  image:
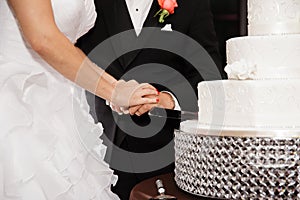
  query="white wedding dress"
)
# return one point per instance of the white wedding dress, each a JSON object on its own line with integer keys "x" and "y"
{"x": 49, "y": 146}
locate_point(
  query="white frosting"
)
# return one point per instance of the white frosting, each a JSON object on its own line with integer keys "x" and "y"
{"x": 268, "y": 17}
{"x": 263, "y": 103}
{"x": 264, "y": 57}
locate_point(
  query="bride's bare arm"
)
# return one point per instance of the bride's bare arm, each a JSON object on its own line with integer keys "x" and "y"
{"x": 38, "y": 26}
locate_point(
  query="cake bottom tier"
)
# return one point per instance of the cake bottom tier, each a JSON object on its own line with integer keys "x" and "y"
{"x": 237, "y": 167}
{"x": 251, "y": 103}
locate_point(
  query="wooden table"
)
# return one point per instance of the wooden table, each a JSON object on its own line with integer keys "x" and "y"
{"x": 147, "y": 189}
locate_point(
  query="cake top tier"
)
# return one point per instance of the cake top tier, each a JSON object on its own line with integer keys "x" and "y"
{"x": 267, "y": 17}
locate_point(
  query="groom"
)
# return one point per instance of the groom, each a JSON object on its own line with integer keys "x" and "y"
{"x": 192, "y": 18}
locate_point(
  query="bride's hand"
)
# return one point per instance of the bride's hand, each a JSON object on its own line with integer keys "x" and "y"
{"x": 130, "y": 93}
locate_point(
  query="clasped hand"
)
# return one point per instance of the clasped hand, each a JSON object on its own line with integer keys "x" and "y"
{"x": 137, "y": 99}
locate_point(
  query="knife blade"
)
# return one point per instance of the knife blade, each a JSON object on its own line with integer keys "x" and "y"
{"x": 173, "y": 114}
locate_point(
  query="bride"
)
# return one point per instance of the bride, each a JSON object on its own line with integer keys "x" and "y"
{"x": 43, "y": 112}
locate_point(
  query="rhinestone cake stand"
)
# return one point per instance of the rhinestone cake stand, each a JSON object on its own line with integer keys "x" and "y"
{"x": 234, "y": 165}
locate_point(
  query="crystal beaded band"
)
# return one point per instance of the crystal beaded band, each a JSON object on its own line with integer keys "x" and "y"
{"x": 237, "y": 167}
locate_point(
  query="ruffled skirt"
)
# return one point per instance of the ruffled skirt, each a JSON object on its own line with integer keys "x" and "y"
{"x": 49, "y": 145}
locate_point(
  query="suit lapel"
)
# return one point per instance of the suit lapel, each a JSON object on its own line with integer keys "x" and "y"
{"x": 118, "y": 20}
{"x": 150, "y": 21}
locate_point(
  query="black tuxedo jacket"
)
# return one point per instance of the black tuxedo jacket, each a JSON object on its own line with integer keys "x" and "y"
{"x": 192, "y": 18}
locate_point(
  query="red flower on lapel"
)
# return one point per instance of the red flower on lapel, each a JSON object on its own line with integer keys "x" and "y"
{"x": 167, "y": 7}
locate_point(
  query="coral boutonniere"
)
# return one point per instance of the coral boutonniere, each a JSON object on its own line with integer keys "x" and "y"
{"x": 166, "y": 8}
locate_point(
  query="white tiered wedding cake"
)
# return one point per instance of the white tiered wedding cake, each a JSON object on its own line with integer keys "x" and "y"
{"x": 246, "y": 141}
{"x": 269, "y": 66}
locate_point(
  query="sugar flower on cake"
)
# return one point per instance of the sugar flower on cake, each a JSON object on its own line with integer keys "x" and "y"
{"x": 241, "y": 70}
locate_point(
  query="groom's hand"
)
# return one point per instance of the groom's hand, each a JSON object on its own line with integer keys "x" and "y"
{"x": 165, "y": 101}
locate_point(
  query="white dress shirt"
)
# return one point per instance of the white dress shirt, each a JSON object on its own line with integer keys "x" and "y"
{"x": 138, "y": 11}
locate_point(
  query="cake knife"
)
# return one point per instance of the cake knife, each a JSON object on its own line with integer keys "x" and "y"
{"x": 173, "y": 114}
